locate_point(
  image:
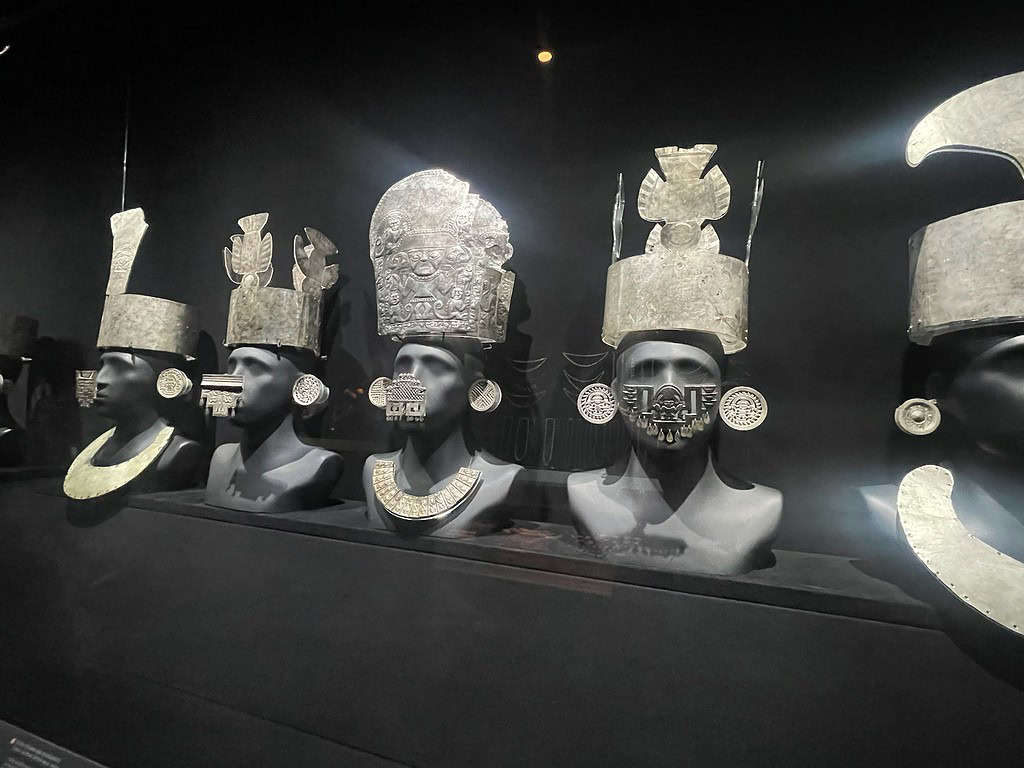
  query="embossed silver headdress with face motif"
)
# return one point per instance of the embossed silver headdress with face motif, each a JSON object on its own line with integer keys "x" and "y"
{"x": 967, "y": 271}
{"x": 17, "y": 334}
{"x": 437, "y": 252}
{"x": 135, "y": 321}
{"x": 681, "y": 281}
{"x": 259, "y": 314}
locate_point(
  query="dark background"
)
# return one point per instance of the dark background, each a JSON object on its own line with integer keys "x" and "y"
{"x": 311, "y": 114}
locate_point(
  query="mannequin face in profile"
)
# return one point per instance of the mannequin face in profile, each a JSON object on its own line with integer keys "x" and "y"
{"x": 267, "y": 381}
{"x": 125, "y": 384}
{"x": 443, "y": 374}
{"x": 10, "y": 368}
{"x": 987, "y": 396}
{"x": 667, "y": 387}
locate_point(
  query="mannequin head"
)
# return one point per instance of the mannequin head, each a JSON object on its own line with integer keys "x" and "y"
{"x": 126, "y": 384}
{"x": 663, "y": 375}
{"x": 977, "y": 376}
{"x": 268, "y": 375}
{"x": 446, "y": 369}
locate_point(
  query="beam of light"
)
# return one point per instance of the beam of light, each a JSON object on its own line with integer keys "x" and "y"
{"x": 4, "y": 50}
{"x": 545, "y": 56}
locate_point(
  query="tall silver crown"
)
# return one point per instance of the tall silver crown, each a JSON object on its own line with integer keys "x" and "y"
{"x": 437, "y": 252}
{"x": 259, "y": 314}
{"x": 681, "y": 281}
{"x": 967, "y": 271}
{"x": 17, "y": 334}
{"x": 134, "y": 321}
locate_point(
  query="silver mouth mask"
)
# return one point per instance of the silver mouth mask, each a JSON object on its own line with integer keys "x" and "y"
{"x": 405, "y": 399}
{"x": 669, "y": 413}
{"x": 221, "y": 393}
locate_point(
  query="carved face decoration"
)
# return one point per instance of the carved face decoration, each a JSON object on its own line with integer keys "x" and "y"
{"x": 267, "y": 381}
{"x": 667, "y": 391}
{"x": 443, "y": 375}
{"x": 125, "y": 382}
{"x": 987, "y": 396}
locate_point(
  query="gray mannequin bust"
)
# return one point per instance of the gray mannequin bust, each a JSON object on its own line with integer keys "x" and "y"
{"x": 126, "y": 394}
{"x": 271, "y": 469}
{"x": 436, "y": 448}
{"x": 664, "y": 503}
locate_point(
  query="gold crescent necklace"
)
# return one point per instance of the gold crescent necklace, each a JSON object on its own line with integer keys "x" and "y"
{"x": 84, "y": 480}
{"x": 433, "y": 506}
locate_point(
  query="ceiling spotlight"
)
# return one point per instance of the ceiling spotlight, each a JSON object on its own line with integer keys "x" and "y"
{"x": 545, "y": 56}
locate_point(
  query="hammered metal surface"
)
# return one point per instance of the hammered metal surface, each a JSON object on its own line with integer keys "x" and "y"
{"x": 435, "y": 505}
{"x": 662, "y": 291}
{"x": 85, "y": 481}
{"x": 437, "y": 252}
{"x": 918, "y": 416}
{"x": 405, "y": 399}
{"x": 596, "y": 403}
{"x": 135, "y": 321}
{"x": 17, "y": 334}
{"x": 967, "y": 271}
{"x": 221, "y": 393}
{"x": 259, "y": 314}
{"x": 484, "y": 396}
{"x": 377, "y": 392}
{"x": 743, "y": 408}
{"x": 309, "y": 390}
{"x": 979, "y": 575}
{"x": 681, "y": 282}
{"x": 987, "y": 118}
{"x": 173, "y": 383}
{"x": 85, "y": 387}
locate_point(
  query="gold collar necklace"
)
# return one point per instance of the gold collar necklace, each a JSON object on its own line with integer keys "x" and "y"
{"x": 87, "y": 481}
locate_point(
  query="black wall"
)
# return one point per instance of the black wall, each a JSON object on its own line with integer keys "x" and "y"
{"x": 313, "y": 114}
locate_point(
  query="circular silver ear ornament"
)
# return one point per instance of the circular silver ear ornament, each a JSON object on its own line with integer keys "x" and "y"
{"x": 596, "y": 403}
{"x": 172, "y": 383}
{"x": 378, "y": 392}
{"x": 918, "y": 416}
{"x": 309, "y": 392}
{"x": 743, "y": 409}
{"x": 484, "y": 396}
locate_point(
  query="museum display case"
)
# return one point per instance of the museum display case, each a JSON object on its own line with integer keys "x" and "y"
{"x": 632, "y": 403}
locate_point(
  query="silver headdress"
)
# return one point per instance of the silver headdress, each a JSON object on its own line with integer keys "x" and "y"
{"x": 259, "y": 314}
{"x": 17, "y": 334}
{"x": 967, "y": 271}
{"x": 681, "y": 282}
{"x": 134, "y": 321}
{"x": 437, "y": 252}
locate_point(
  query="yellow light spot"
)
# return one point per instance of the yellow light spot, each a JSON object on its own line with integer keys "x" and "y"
{"x": 545, "y": 56}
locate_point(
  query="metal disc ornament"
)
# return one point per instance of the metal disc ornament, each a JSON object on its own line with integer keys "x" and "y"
{"x": 484, "y": 396}
{"x": 308, "y": 391}
{"x": 596, "y": 403}
{"x": 743, "y": 408}
{"x": 172, "y": 383}
{"x": 918, "y": 416}
{"x": 377, "y": 393}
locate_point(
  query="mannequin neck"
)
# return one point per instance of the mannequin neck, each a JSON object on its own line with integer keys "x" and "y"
{"x": 277, "y": 433}
{"x": 674, "y": 473}
{"x": 431, "y": 456}
{"x": 133, "y": 422}
{"x": 998, "y": 474}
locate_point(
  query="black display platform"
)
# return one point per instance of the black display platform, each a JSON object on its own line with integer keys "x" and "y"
{"x": 172, "y": 634}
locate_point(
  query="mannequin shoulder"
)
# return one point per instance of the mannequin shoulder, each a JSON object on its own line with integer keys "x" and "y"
{"x": 495, "y": 469}
{"x": 224, "y": 452}
{"x": 182, "y": 450}
{"x": 325, "y": 461}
